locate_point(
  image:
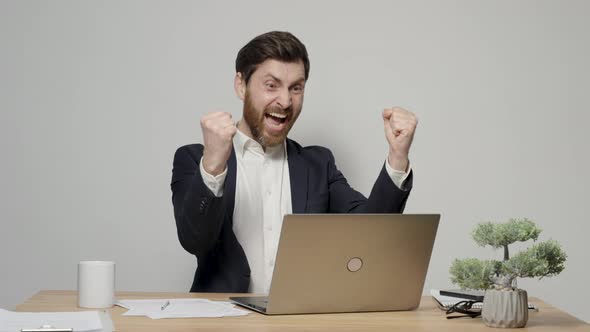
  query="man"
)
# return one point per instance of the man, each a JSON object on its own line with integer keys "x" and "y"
{"x": 231, "y": 193}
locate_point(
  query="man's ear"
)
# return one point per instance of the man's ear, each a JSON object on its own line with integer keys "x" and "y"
{"x": 240, "y": 86}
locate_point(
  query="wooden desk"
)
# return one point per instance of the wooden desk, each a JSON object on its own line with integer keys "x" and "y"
{"x": 427, "y": 318}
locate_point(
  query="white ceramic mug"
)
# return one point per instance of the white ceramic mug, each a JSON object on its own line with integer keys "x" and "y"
{"x": 96, "y": 284}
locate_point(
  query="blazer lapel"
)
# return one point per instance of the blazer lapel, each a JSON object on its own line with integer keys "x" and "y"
{"x": 298, "y": 177}
{"x": 229, "y": 191}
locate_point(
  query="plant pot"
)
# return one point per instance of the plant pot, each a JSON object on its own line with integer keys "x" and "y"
{"x": 505, "y": 308}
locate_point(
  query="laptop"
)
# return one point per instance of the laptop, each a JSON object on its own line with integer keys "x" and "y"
{"x": 330, "y": 263}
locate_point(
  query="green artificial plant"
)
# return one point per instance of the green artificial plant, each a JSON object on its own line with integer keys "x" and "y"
{"x": 544, "y": 259}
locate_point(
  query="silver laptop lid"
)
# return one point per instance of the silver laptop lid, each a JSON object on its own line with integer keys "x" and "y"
{"x": 351, "y": 262}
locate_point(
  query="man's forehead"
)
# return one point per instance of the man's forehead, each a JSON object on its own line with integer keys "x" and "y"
{"x": 281, "y": 70}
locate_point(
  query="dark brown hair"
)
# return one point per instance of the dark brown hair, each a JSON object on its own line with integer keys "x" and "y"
{"x": 277, "y": 45}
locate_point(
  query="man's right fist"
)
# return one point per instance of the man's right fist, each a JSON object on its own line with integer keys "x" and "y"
{"x": 218, "y": 131}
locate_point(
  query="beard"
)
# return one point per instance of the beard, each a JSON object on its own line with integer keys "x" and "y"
{"x": 255, "y": 119}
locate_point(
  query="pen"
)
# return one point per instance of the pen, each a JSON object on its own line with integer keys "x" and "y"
{"x": 166, "y": 304}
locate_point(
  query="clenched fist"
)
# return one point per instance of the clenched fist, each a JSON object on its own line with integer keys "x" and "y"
{"x": 400, "y": 126}
{"x": 218, "y": 131}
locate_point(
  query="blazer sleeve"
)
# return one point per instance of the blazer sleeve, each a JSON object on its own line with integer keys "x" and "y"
{"x": 385, "y": 196}
{"x": 198, "y": 212}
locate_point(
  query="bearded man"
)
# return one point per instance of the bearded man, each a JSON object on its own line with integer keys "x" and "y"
{"x": 230, "y": 193}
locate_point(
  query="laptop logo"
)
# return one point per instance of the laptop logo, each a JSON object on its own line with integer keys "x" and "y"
{"x": 354, "y": 264}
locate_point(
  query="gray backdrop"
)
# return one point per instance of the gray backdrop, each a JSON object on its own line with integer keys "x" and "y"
{"x": 97, "y": 96}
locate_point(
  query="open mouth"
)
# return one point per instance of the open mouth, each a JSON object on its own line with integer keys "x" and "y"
{"x": 275, "y": 122}
{"x": 277, "y": 118}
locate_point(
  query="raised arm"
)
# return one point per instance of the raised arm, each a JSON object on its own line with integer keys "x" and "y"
{"x": 198, "y": 212}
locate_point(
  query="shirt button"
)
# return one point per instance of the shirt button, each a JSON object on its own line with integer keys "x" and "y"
{"x": 269, "y": 228}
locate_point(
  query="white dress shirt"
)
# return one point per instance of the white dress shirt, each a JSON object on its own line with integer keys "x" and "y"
{"x": 263, "y": 197}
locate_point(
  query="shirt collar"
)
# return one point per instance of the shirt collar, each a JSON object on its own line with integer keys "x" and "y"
{"x": 243, "y": 143}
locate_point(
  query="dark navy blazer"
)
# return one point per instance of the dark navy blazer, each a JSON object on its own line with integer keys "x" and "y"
{"x": 204, "y": 222}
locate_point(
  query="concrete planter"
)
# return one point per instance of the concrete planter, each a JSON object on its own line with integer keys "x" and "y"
{"x": 506, "y": 309}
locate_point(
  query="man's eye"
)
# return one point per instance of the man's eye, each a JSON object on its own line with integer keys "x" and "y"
{"x": 297, "y": 89}
{"x": 271, "y": 85}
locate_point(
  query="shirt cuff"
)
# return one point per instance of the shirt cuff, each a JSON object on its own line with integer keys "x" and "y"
{"x": 214, "y": 183}
{"x": 398, "y": 177}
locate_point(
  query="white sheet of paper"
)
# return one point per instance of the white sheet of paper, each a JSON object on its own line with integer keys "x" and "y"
{"x": 11, "y": 321}
{"x": 180, "y": 308}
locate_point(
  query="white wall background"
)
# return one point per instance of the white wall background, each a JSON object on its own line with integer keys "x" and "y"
{"x": 95, "y": 97}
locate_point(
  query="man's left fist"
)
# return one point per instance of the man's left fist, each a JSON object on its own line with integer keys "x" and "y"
{"x": 400, "y": 126}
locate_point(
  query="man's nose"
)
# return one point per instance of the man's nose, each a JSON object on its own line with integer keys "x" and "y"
{"x": 284, "y": 98}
